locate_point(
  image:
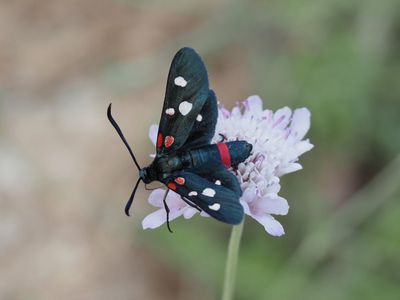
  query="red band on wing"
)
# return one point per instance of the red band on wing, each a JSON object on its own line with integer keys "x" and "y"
{"x": 225, "y": 155}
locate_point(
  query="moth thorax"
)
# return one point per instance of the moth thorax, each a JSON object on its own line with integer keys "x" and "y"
{"x": 169, "y": 164}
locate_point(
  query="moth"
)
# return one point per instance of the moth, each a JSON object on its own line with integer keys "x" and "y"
{"x": 186, "y": 162}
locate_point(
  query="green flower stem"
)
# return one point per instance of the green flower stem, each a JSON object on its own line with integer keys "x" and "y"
{"x": 231, "y": 262}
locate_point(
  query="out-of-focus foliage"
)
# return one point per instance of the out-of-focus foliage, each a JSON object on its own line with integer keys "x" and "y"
{"x": 64, "y": 174}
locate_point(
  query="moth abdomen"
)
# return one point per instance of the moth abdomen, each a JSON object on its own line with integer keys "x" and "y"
{"x": 229, "y": 154}
{"x": 239, "y": 151}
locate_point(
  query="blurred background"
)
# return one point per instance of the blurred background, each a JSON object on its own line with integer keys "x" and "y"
{"x": 65, "y": 175}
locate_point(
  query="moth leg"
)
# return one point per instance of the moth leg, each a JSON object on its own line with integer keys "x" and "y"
{"x": 223, "y": 138}
{"x": 167, "y": 210}
{"x": 191, "y": 204}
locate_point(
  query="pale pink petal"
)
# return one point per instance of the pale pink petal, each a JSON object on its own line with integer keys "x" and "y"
{"x": 249, "y": 195}
{"x": 272, "y": 226}
{"x": 153, "y": 133}
{"x": 224, "y": 112}
{"x": 272, "y": 205}
{"x": 159, "y": 217}
{"x": 204, "y": 214}
{"x": 174, "y": 200}
{"x": 300, "y": 122}
{"x": 246, "y": 207}
{"x": 282, "y": 117}
{"x": 154, "y": 219}
{"x": 156, "y": 197}
{"x": 189, "y": 212}
{"x": 174, "y": 213}
{"x": 267, "y": 115}
{"x": 253, "y": 105}
{"x": 290, "y": 168}
{"x": 302, "y": 147}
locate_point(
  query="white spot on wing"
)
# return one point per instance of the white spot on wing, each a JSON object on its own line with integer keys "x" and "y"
{"x": 209, "y": 192}
{"x": 215, "y": 206}
{"x": 199, "y": 118}
{"x": 170, "y": 111}
{"x": 193, "y": 193}
{"x": 180, "y": 81}
{"x": 185, "y": 107}
{"x": 218, "y": 182}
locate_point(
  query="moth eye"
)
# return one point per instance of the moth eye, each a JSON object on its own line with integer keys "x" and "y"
{"x": 180, "y": 81}
{"x": 218, "y": 182}
{"x": 185, "y": 107}
{"x": 169, "y": 140}
{"x": 180, "y": 180}
{"x": 209, "y": 192}
{"x": 215, "y": 206}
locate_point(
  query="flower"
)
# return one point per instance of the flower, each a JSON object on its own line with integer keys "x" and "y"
{"x": 278, "y": 141}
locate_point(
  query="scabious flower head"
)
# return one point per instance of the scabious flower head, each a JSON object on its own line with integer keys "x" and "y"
{"x": 278, "y": 141}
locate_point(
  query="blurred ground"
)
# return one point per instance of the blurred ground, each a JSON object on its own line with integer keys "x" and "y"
{"x": 64, "y": 175}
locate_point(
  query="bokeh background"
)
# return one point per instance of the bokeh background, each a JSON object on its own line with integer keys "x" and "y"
{"x": 65, "y": 176}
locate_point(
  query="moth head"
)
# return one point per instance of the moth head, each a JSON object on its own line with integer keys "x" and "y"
{"x": 145, "y": 175}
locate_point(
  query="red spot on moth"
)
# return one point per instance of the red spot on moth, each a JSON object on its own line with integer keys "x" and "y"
{"x": 169, "y": 140}
{"x": 159, "y": 140}
{"x": 172, "y": 186}
{"x": 225, "y": 155}
{"x": 180, "y": 180}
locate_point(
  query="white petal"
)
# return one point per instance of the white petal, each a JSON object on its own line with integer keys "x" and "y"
{"x": 272, "y": 205}
{"x": 290, "y": 168}
{"x": 249, "y": 195}
{"x": 189, "y": 212}
{"x": 253, "y": 105}
{"x": 154, "y": 219}
{"x": 156, "y": 197}
{"x": 300, "y": 122}
{"x": 204, "y": 214}
{"x": 302, "y": 147}
{"x": 153, "y": 133}
{"x": 282, "y": 117}
{"x": 245, "y": 207}
{"x": 272, "y": 226}
{"x": 159, "y": 217}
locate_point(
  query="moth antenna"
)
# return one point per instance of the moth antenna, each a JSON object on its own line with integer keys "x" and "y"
{"x": 121, "y": 135}
{"x": 129, "y": 203}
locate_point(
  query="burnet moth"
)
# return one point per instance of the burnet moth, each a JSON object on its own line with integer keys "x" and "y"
{"x": 185, "y": 161}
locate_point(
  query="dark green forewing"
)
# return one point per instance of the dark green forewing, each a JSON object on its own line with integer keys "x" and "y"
{"x": 186, "y": 93}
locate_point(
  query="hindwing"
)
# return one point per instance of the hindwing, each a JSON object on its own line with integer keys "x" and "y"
{"x": 214, "y": 198}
